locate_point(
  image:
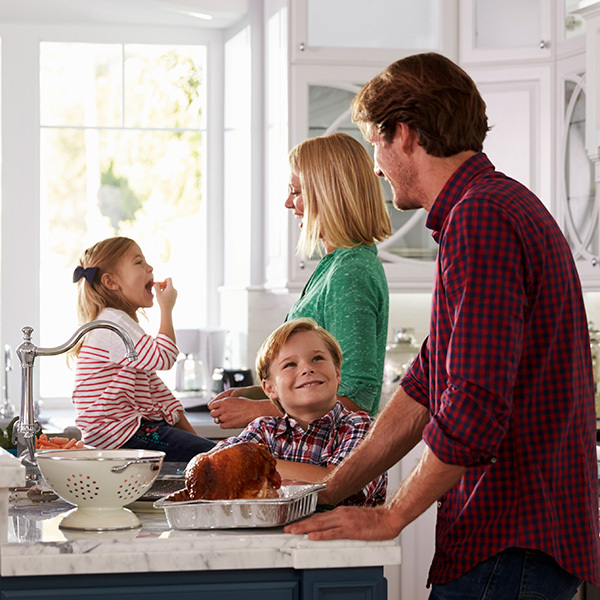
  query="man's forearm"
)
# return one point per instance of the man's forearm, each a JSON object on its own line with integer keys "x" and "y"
{"x": 427, "y": 482}
{"x": 397, "y": 429}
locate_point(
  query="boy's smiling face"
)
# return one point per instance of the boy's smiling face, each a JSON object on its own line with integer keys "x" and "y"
{"x": 304, "y": 377}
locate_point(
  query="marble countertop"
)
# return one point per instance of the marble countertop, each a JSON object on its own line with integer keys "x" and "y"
{"x": 35, "y": 545}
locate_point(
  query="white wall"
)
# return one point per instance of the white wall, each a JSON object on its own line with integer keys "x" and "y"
{"x": 406, "y": 310}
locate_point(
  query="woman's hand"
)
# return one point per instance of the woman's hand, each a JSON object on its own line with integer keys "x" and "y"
{"x": 232, "y": 412}
{"x": 254, "y": 392}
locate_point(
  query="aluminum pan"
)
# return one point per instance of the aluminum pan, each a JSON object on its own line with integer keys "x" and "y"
{"x": 294, "y": 502}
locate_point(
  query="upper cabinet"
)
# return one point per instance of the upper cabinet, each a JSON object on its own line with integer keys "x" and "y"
{"x": 517, "y": 30}
{"x": 378, "y": 31}
{"x": 579, "y": 167}
{"x": 576, "y": 209}
{"x": 519, "y": 109}
{"x": 321, "y": 97}
{"x": 332, "y": 50}
{"x": 505, "y": 31}
{"x": 590, "y": 11}
{"x": 529, "y": 60}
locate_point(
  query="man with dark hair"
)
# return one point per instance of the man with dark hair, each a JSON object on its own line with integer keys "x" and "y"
{"x": 502, "y": 390}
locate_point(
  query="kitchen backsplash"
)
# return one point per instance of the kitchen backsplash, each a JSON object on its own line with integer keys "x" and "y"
{"x": 406, "y": 310}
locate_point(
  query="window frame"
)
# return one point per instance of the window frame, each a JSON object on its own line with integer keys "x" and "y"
{"x": 20, "y": 170}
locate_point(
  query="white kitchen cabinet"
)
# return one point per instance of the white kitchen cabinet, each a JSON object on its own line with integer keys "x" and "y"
{"x": 320, "y": 99}
{"x": 590, "y": 11}
{"x": 578, "y": 168}
{"x": 519, "y": 102}
{"x": 576, "y": 207}
{"x": 518, "y": 30}
{"x": 529, "y": 62}
{"x": 505, "y": 31}
{"x": 376, "y": 32}
{"x": 309, "y": 88}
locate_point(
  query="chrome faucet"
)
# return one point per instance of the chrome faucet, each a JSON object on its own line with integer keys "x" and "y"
{"x": 26, "y": 427}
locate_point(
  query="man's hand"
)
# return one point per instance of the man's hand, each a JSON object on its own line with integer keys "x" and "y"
{"x": 350, "y": 522}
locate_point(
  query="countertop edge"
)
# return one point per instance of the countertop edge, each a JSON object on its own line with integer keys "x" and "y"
{"x": 189, "y": 553}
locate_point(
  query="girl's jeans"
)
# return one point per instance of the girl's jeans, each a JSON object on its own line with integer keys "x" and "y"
{"x": 178, "y": 445}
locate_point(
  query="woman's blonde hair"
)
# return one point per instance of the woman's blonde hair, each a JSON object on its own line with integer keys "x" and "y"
{"x": 273, "y": 345}
{"x": 343, "y": 199}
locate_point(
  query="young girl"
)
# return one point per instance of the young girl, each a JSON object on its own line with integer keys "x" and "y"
{"x": 122, "y": 403}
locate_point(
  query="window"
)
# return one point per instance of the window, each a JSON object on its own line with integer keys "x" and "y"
{"x": 115, "y": 135}
{"x": 122, "y": 146}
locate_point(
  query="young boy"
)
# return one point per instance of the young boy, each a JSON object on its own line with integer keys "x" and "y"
{"x": 299, "y": 368}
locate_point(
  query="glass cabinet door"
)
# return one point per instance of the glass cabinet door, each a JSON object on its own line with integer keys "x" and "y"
{"x": 578, "y": 190}
{"x": 573, "y": 25}
{"x": 329, "y": 111}
{"x": 358, "y": 32}
{"x": 507, "y": 30}
{"x": 407, "y": 24}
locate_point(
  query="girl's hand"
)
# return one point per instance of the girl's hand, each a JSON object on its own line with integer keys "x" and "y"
{"x": 166, "y": 294}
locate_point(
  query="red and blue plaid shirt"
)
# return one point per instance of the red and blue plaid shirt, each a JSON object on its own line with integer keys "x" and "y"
{"x": 327, "y": 441}
{"x": 507, "y": 377}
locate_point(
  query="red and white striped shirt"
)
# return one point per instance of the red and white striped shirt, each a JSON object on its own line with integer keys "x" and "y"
{"x": 113, "y": 394}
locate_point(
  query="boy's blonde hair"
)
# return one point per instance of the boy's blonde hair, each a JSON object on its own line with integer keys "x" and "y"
{"x": 93, "y": 298}
{"x": 343, "y": 199}
{"x": 273, "y": 345}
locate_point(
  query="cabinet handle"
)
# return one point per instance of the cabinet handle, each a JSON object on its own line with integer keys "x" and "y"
{"x": 544, "y": 44}
{"x": 594, "y": 262}
{"x": 301, "y": 264}
{"x": 301, "y": 46}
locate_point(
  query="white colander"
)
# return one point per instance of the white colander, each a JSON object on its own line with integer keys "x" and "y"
{"x": 100, "y": 483}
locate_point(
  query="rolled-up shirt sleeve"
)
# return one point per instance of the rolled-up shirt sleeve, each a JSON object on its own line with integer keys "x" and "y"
{"x": 479, "y": 329}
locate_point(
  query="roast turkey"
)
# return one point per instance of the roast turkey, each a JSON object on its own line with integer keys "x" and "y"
{"x": 244, "y": 470}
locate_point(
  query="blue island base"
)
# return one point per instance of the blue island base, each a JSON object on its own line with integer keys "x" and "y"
{"x": 362, "y": 583}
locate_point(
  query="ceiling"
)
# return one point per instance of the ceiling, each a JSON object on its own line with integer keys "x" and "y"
{"x": 224, "y": 13}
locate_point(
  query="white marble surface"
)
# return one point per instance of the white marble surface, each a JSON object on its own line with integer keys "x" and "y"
{"x": 32, "y": 543}
{"x": 37, "y": 546}
{"x": 12, "y": 474}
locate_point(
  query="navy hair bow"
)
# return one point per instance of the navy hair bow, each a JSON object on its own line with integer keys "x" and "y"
{"x": 88, "y": 274}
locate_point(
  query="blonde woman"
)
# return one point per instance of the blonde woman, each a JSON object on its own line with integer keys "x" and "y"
{"x": 334, "y": 191}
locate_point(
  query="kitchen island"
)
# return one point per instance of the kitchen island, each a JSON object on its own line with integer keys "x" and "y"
{"x": 38, "y": 559}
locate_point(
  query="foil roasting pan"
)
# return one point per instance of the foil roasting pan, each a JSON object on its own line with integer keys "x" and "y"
{"x": 294, "y": 502}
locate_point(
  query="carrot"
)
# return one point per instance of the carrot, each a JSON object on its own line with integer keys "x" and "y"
{"x": 43, "y": 442}
{"x": 48, "y": 445}
{"x": 162, "y": 284}
{"x": 61, "y": 441}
